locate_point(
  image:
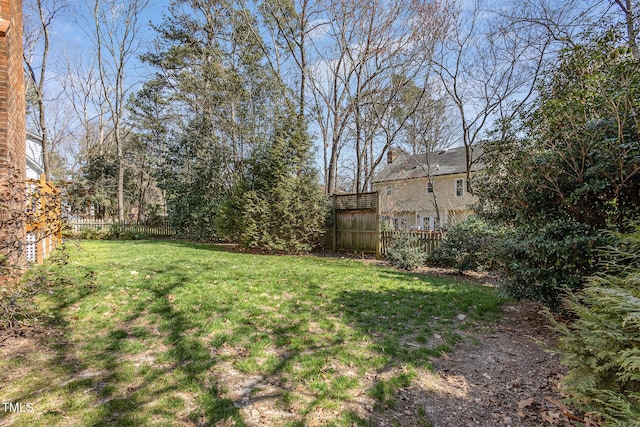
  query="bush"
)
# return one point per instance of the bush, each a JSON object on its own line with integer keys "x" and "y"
{"x": 67, "y": 230}
{"x": 114, "y": 232}
{"x": 92, "y": 234}
{"x": 602, "y": 347}
{"x": 130, "y": 235}
{"x": 469, "y": 245}
{"x": 405, "y": 252}
{"x": 544, "y": 264}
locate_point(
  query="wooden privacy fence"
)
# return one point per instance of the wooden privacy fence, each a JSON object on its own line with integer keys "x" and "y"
{"x": 355, "y": 223}
{"x": 162, "y": 229}
{"x": 427, "y": 240}
{"x": 44, "y": 223}
{"x": 356, "y": 227}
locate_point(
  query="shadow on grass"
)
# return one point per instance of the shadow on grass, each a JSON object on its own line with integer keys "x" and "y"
{"x": 106, "y": 369}
{"x": 186, "y": 359}
{"x": 421, "y": 320}
{"x": 183, "y": 244}
{"x": 153, "y": 356}
{"x": 411, "y": 325}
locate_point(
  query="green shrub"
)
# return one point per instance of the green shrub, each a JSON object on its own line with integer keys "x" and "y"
{"x": 67, "y": 230}
{"x": 602, "y": 347}
{"x": 115, "y": 231}
{"x": 92, "y": 234}
{"x": 545, "y": 263}
{"x": 469, "y": 246}
{"x": 120, "y": 232}
{"x": 131, "y": 235}
{"x": 405, "y": 252}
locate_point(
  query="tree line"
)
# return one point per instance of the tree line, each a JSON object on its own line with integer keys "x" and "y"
{"x": 349, "y": 80}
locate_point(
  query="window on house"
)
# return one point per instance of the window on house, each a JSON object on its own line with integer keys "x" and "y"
{"x": 429, "y": 187}
{"x": 400, "y": 223}
{"x": 459, "y": 187}
{"x": 388, "y": 190}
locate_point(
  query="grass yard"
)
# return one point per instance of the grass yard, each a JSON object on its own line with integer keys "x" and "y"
{"x": 173, "y": 333}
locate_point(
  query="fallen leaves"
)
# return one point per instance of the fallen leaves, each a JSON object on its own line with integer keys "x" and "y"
{"x": 551, "y": 411}
{"x": 525, "y": 403}
{"x": 229, "y": 422}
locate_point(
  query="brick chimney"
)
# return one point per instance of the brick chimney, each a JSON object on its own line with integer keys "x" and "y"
{"x": 391, "y": 155}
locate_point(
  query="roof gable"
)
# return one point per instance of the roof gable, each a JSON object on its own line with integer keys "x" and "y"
{"x": 437, "y": 163}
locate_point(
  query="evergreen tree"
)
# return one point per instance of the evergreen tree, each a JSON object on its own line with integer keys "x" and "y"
{"x": 225, "y": 99}
{"x": 280, "y": 205}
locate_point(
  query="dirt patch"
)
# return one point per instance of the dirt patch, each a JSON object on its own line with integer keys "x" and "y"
{"x": 502, "y": 377}
{"x": 479, "y": 277}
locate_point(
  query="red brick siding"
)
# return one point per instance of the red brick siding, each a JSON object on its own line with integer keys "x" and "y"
{"x": 12, "y": 104}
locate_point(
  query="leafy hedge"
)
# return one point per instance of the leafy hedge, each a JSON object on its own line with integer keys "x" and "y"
{"x": 114, "y": 232}
{"x": 469, "y": 245}
{"x": 405, "y": 252}
{"x": 545, "y": 263}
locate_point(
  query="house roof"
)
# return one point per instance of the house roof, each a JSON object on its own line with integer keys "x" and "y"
{"x": 438, "y": 163}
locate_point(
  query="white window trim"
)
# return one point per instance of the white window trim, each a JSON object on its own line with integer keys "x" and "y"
{"x": 455, "y": 188}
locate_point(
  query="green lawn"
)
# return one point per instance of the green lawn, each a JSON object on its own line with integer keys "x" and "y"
{"x": 173, "y": 333}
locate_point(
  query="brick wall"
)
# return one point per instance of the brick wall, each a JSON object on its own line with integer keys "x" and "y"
{"x": 12, "y": 122}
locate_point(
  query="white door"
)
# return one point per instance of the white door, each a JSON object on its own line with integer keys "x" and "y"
{"x": 427, "y": 222}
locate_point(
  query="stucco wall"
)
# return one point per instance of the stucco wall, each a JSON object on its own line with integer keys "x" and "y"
{"x": 409, "y": 199}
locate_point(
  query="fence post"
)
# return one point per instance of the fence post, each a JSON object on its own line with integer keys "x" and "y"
{"x": 379, "y": 246}
{"x": 335, "y": 224}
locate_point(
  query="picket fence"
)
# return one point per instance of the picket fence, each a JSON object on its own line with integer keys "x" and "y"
{"x": 151, "y": 230}
{"x": 427, "y": 240}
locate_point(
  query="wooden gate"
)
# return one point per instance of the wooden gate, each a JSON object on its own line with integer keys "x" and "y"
{"x": 355, "y": 223}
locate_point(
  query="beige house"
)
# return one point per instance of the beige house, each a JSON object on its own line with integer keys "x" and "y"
{"x": 426, "y": 192}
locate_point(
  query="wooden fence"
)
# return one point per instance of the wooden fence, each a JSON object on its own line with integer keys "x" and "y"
{"x": 427, "y": 240}
{"x": 44, "y": 223}
{"x": 152, "y": 230}
{"x": 355, "y": 223}
{"x": 356, "y": 227}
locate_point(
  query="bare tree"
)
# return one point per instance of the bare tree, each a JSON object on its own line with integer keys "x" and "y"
{"x": 628, "y": 9}
{"x": 493, "y": 58}
{"x": 427, "y": 131}
{"x": 115, "y": 35}
{"x": 360, "y": 51}
{"x": 291, "y": 24}
{"x": 569, "y": 21}
{"x": 39, "y": 16}
{"x": 82, "y": 89}
{"x": 489, "y": 70}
